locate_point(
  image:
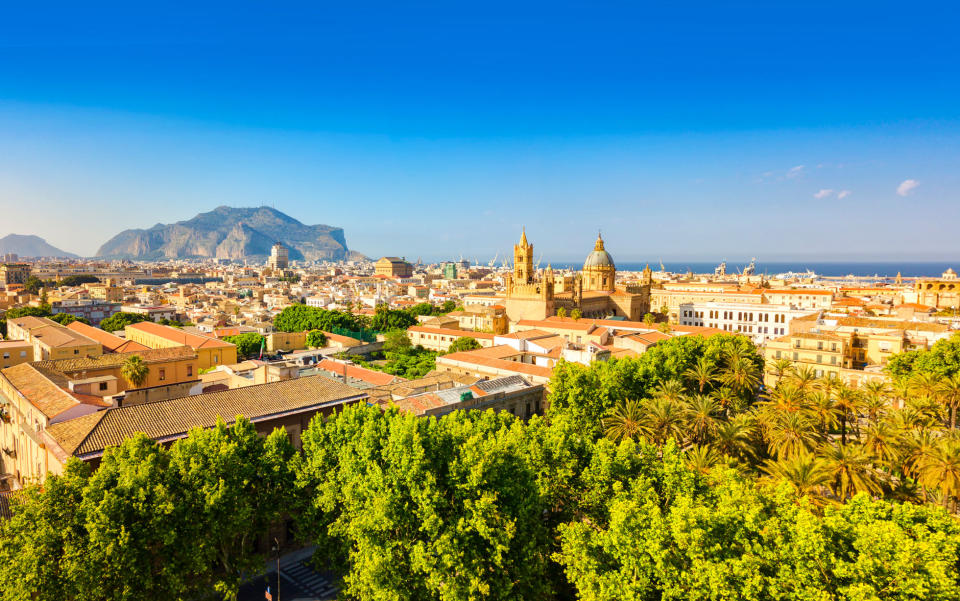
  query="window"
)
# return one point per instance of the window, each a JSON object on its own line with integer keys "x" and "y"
{"x": 163, "y": 375}
{"x": 189, "y": 371}
{"x": 103, "y": 385}
{"x": 76, "y": 351}
{"x": 23, "y": 353}
{"x": 796, "y": 356}
{"x": 819, "y": 345}
{"x": 819, "y": 358}
{"x": 833, "y": 360}
{"x": 6, "y": 355}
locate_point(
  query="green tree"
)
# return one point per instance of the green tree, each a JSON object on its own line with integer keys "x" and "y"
{"x": 576, "y": 314}
{"x": 464, "y": 343}
{"x": 33, "y": 285}
{"x": 396, "y": 341}
{"x": 561, "y": 312}
{"x": 134, "y": 370}
{"x": 386, "y": 319}
{"x": 419, "y": 509}
{"x": 65, "y": 319}
{"x": 119, "y": 321}
{"x": 248, "y": 344}
{"x": 316, "y": 339}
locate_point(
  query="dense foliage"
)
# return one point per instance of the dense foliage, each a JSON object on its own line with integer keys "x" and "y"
{"x": 151, "y": 522}
{"x": 66, "y": 319}
{"x": 301, "y": 318}
{"x": 248, "y": 344}
{"x": 316, "y": 339}
{"x": 386, "y": 319}
{"x": 119, "y": 321}
{"x": 464, "y": 343}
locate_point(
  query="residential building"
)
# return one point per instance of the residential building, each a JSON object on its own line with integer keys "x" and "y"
{"x": 288, "y": 404}
{"x": 210, "y": 351}
{"x": 760, "y": 322}
{"x": 92, "y": 310}
{"x": 51, "y": 340}
{"x": 440, "y": 339}
{"x": 14, "y": 274}
{"x": 279, "y": 257}
{"x": 109, "y": 342}
{"x": 152, "y": 312}
{"x": 15, "y": 352}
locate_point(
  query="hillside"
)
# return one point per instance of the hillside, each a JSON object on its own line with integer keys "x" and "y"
{"x": 31, "y": 246}
{"x": 229, "y": 233}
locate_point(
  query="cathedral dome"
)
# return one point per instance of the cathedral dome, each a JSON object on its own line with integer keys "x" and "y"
{"x": 599, "y": 257}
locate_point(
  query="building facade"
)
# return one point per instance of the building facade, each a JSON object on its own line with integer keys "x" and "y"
{"x": 393, "y": 267}
{"x": 760, "y": 322}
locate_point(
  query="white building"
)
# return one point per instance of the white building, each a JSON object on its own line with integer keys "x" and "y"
{"x": 761, "y": 322}
{"x": 279, "y": 257}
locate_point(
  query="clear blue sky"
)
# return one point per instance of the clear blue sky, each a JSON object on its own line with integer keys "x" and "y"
{"x": 681, "y": 129}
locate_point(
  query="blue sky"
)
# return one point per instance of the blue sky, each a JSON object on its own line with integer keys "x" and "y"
{"x": 682, "y": 130}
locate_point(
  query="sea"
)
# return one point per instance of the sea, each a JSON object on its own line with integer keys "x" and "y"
{"x": 866, "y": 269}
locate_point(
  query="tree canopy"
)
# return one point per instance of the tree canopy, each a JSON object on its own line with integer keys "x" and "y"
{"x": 301, "y": 318}
{"x": 119, "y": 321}
{"x": 248, "y": 344}
{"x": 464, "y": 343}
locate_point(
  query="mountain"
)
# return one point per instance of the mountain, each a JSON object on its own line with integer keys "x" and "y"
{"x": 31, "y": 246}
{"x": 229, "y": 233}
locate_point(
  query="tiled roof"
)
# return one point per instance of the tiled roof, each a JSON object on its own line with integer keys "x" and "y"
{"x": 452, "y": 332}
{"x": 377, "y": 378}
{"x": 112, "y": 360}
{"x": 44, "y": 389}
{"x": 179, "y": 336}
{"x": 108, "y": 341}
{"x": 168, "y": 420}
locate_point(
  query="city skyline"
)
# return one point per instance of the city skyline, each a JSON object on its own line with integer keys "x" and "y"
{"x": 678, "y": 138}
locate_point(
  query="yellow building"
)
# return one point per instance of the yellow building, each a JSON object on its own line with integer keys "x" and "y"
{"x": 286, "y": 341}
{"x": 51, "y": 340}
{"x": 211, "y": 352}
{"x": 440, "y": 339}
{"x": 15, "y": 352}
{"x": 942, "y": 293}
{"x": 594, "y": 293}
{"x": 166, "y": 366}
{"x": 393, "y": 267}
{"x": 14, "y": 274}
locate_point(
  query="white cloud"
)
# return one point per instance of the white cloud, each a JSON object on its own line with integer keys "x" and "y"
{"x": 795, "y": 171}
{"x": 907, "y": 186}
{"x": 823, "y": 193}
{"x": 843, "y": 194}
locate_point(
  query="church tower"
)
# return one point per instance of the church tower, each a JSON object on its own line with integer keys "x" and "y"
{"x": 523, "y": 261}
{"x": 599, "y": 271}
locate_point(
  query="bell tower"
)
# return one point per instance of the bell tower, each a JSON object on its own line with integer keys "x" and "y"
{"x": 523, "y": 261}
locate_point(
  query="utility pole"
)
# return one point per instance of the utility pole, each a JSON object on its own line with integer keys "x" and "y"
{"x": 276, "y": 546}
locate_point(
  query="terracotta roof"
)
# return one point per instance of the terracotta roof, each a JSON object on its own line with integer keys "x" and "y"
{"x": 420, "y": 404}
{"x": 44, "y": 389}
{"x": 179, "y": 336}
{"x": 565, "y": 323}
{"x": 169, "y": 420}
{"x": 452, "y": 332}
{"x": 377, "y": 378}
{"x": 515, "y": 366}
{"x": 112, "y": 360}
{"x": 108, "y": 341}
{"x": 866, "y": 322}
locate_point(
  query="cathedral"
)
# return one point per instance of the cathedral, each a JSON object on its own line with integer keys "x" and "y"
{"x": 532, "y": 295}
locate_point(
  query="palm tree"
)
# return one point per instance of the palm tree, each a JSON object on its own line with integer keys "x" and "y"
{"x": 135, "y": 371}
{"x": 624, "y": 421}
{"x": 876, "y": 399}
{"x": 803, "y": 377}
{"x": 941, "y": 469}
{"x": 672, "y": 390}
{"x": 701, "y": 418}
{"x": 882, "y": 440}
{"x": 664, "y": 419}
{"x": 915, "y": 447}
{"x": 924, "y": 384}
{"x": 725, "y": 397}
{"x": 702, "y": 373}
{"x": 786, "y": 398}
{"x": 949, "y": 391}
{"x": 702, "y": 458}
{"x": 781, "y": 368}
{"x": 847, "y": 402}
{"x": 735, "y": 437}
{"x": 807, "y": 473}
{"x": 851, "y": 470}
{"x": 741, "y": 374}
{"x": 823, "y": 407}
{"x": 792, "y": 434}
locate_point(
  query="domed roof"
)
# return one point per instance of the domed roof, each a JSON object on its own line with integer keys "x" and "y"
{"x": 599, "y": 257}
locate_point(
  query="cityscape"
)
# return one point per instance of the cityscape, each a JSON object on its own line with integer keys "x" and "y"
{"x": 462, "y": 349}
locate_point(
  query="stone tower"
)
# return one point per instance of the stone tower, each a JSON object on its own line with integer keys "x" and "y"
{"x": 523, "y": 261}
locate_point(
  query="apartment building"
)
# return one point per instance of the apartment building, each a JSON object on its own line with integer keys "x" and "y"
{"x": 211, "y": 352}
{"x": 440, "y": 339}
{"x": 15, "y": 352}
{"x": 92, "y": 310}
{"x": 51, "y": 340}
{"x": 760, "y": 322}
